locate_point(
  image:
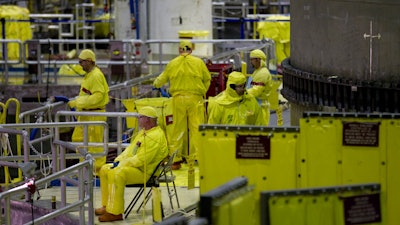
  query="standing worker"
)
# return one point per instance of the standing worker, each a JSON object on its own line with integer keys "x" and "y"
{"x": 189, "y": 81}
{"x": 133, "y": 166}
{"x": 260, "y": 84}
{"x": 93, "y": 97}
{"x": 234, "y": 106}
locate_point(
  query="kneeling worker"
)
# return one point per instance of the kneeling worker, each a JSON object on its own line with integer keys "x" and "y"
{"x": 133, "y": 166}
{"x": 234, "y": 106}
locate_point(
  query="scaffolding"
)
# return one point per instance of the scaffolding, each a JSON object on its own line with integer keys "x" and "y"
{"x": 84, "y": 14}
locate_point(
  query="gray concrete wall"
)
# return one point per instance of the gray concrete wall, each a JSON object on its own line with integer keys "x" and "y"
{"x": 327, "y": 37}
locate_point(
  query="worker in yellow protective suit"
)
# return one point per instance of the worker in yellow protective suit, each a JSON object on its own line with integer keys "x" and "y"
{"x": 133, "y": 166}
{"x": 260, "y": 82}
{"x": 189, "y": 82}
{"x": 277, "y": 28}
{"x": 234, "y": 106}
{"x": 93, "y": 97}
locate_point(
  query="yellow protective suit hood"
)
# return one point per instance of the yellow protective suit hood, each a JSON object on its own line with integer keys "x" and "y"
{"x": 87, "y": 55}
{"x": 184, "y": 47}
{"x": 236, "y": 78}
{"x": 186, "y": 43}
{"x": 258, "y": 54}
{"x": 230, "y": 108}
{"x": 148, "y": 111}
{"x": 230, "y": 96}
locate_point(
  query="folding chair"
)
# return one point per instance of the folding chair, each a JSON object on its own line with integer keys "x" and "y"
{"x": 152, "y": 182}
{"x": 167, "y": 177}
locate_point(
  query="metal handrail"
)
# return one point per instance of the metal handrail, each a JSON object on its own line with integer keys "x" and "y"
{"x": 57, "y": 125}
{"x": 24, "y": 117}
{"x": 130, "y": 56}
{"x": 63, "y": 19}
{"x": 127, "y": 58}
{"x": 119, "y": 115}
{"x": 8, "y": 130}
{"x": 84, "y": 170}
{"x": 5, "y": 61}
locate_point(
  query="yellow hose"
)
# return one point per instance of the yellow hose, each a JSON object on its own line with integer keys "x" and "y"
{"x": 3, "y": 121}
{"x": 17, "y": 112}
{"x": 3, "y": 113}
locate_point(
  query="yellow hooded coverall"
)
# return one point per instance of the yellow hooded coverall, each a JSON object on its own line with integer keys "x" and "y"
{"x": 93, "y": 96}
{"x": 189, "y": 82}
{"x": 230, "y": 108}
{"x": 136, "y": 164}
{"x": 261, "y": 84}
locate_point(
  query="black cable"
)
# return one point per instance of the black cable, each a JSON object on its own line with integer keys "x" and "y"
{"x": 33, "y": 217}
{"x": 31, "y": 201}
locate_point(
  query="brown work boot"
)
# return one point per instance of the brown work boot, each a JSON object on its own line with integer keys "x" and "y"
{"x": 176, "y": 165}
{"x": 108, "y": 217}
{"x": 100, "y": 211}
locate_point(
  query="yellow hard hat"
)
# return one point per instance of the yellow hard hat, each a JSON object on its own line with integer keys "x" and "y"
{"x": 185, "y": 43}
{"x": 258, "y": 54}
{"x": 236, "y": 78}
{"x": 87, "y": 54}
{"x": 148, "y": 111}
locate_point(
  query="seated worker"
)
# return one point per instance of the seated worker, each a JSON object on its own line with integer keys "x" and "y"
{"x": 133, "y": 166}
{"x": 234, "y": 106}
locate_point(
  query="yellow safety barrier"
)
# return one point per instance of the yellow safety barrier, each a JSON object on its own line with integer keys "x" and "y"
{"x": 335, "y": 153}
{"x": 219, "y": 161}
{"x": 338, "y": 205}
{"x": 229, "y": 204}
{"x": 391, "y": 168}
{"x": 267, "y": 157}
{"x": 327, "y": 150}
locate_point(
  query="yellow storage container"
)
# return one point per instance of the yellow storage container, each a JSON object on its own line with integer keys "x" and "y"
{"x": 14, "y": 29}
{"x": 199, "y": 49}
{"x": 327, "y": 151}
{"x": 102, "y": 29}
{"x": 193, "y": 34}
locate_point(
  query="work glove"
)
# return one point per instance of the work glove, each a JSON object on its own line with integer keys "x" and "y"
{"x": 72, "y": 104}
{"x": 163, "y": 92}
{"x": 115, "y": 164}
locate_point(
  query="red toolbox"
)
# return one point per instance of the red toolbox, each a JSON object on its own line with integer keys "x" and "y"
{"x": 219, "y": 74}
